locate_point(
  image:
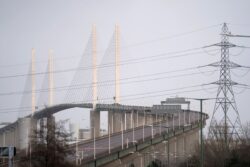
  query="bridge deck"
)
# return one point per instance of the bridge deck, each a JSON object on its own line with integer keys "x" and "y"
{"x": 50, "y": 110}
{"x": 127, "y": 139}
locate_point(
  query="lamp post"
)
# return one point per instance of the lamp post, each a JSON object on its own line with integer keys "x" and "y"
{"x": 76, "y": 139}
{"x": 201, "y": 126}
{"x": 94, "y": 144}
{"x": 122, "y": 136}
{"x": 77, "y": 150}
{"x": 167, "y": 141}
{"x": 133, "y": 130}
{"x": 137, "y": 119}
{"x": 188, "y": 116}
{"x": 160, "y": 127}
{"x": 94, "y": 152}
{"x": 179, "y": 115}
{"x": 173, "y": 122}
{"x": 109, "y": 139}
{"x": 152, "y": 131}
{"x": 125, "y": 121}
{"x": 184, "y": 115}
{"x": 143, "y": 135}
{"x": 167, "y": 149}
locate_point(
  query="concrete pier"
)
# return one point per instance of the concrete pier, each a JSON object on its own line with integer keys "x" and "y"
{"x": 95, "y": 123}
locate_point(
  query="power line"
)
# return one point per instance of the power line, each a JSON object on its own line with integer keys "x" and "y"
{"x": 159, "y": 95}
{"x": 107, "y": 83}
{"x": 8, "y": 110}
{"x": 236, "y": 24}
{"x": 176, "y": 35}
{"x": 127, "y": 62}
{"x": 128, "y": 46}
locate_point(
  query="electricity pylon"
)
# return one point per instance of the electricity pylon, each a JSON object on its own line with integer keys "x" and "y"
{"x": 225, "y": 123}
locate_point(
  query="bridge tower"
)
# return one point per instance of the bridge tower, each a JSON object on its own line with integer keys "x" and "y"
{"x": 115, "y": 118}
{"x": 26, "y": 125}
{"x": 51, "y": 78}
{"x": 47, "y": 124}
{"x": 117, "y": 64}
{"x": 33, "y": 82}
{"x": 94, "y": 115}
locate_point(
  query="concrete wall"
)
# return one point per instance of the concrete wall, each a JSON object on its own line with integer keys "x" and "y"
{"x": 179, "y": 148}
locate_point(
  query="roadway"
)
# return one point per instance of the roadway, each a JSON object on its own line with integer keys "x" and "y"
{"x": 100, "y": 147}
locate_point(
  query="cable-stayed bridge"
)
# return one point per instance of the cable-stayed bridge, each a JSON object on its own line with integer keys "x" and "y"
{"x": 132, "y": 129}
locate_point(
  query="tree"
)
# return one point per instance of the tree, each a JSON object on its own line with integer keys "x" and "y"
{"x": 155, "y": 163}
{"x": 246, "y": 133}
{"x": 218, "y": 154}
{"x": 49, "y": 146}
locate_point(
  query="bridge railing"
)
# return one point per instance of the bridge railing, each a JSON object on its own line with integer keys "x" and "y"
{"x": 118, "y": 152}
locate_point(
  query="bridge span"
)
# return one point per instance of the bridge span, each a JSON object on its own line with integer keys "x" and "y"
{"x": 132, "y": 130}
{"x": 172, "y": 140}
{"x": 131, "y": 115}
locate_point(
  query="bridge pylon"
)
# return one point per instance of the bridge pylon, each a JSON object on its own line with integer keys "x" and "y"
{"x": 33, "y": 82}
{"x": 51, "y": 77}
{"x": 94, "y": 114}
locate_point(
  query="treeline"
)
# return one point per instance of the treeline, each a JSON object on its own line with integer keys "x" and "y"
{"x": 218, "y": 153}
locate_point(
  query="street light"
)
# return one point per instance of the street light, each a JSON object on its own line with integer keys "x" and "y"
{"x": 167, "y": 141}
{"x": 173, "y": 121}
{"x": 125, "y": 121}
{"x": 77, "y": 151}
{"x": 143, "y": 132}
{"x": 184, "y": 115}
{"x": 160, "y": 127}
{"x": 133, "y": 125}
{"x": 137, "y": 119}
{"x": 188, "y": 116}
{"x": 94, "y": 144}
{"x": 143, "y": 127}
{"x": 179, "y": 115}
{"x": 122, "y": 135}
{"x": 94, "y": 141}
{"x": 109, "y": 139}
{"x": 201, "y": 126}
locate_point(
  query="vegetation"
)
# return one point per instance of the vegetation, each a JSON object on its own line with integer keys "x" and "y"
{"x": 156, "y": 163}
{"x": 218, "y": 154}
{"x": 49, "y": 147}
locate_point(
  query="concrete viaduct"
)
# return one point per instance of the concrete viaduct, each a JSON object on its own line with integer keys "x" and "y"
{"x": 134, "y": 131}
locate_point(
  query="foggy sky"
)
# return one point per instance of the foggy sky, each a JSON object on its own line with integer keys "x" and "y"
{"x": 65, "y": 26}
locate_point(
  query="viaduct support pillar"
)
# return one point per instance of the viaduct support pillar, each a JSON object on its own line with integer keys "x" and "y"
{"x": 110, "y": 122}
{"x": 26, "y": 127}
{"x": 95, "y": 123}
{"x": 128, "y": 120}
{"x": 117, "y": 120}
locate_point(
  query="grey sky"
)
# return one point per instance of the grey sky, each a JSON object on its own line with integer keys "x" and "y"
{"x": 65, "y": 26}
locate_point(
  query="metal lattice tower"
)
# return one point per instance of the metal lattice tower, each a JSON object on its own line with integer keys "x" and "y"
{"x": 225, "y": 123}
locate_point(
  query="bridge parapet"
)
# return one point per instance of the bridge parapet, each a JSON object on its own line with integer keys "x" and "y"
{"x": 119, "y": 154}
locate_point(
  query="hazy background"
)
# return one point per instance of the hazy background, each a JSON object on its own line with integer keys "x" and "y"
{"x": 148, "y": 28}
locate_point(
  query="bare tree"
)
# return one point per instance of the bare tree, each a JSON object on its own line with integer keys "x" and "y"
{"x": 49, "y": 147}
{"x": 219, "y": 154}
{"x": 246, "y": 132}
